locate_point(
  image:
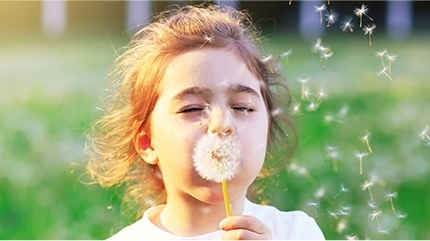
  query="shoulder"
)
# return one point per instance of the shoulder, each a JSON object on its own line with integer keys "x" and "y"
{"x": 131, "y": 232}
{"x": 142, "y": 229}
{"x": 285, "y": 225}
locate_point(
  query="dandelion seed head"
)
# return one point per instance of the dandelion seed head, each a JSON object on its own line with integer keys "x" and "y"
{"x": 296, "y": 109}
{"x": 322, "y": 94}
{"x": 320, "y": 8}
{"x": 332, "y": 214}
{"x": 367, "y": 184}
{"x": 267, "y": 58}
{"x": 346, "y": 208}
{"x": 374, "y": 214}
{"x": 286, "y": 54}
{"x": 216, "y": 158}
{"x": 351, "y": 237}
{"x": 332, "y": 152}
{"x": 383, "y": 231}
{"x": 391, "y": 58}
{"x": 390, "y": 195}
{"x": 331, "y": 17}
{"x": 365, "y": 137}
{"x": 326, "y": 55}
{"x": 343, "y": 188}
{"x": 381, "y": 53}
{"x": 400, "y": 215}
{"x": 368, "y": 30}
{"x": 372, "y": 205}
{"x": 303, "y": 80}
{"x": 347, "y": 24}
{"x": 312, "y": 106}
{"x": 361, "y": 11}
{"x": 360, "y": 155}
{"x": 312, "y": 204}
{"x": 424, "y": 133}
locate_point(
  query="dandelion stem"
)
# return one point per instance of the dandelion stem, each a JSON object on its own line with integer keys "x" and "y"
{"x": 392, "y": 205}
{"x": 368, "y": 145}
{"x": 225, "y": 194}
{"x": 361, "y": 166}
{"x": 316, "y": 213}
{"x": 370, "y": 194}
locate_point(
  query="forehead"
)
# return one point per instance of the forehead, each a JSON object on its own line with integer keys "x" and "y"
{"x": 212, "y": 68}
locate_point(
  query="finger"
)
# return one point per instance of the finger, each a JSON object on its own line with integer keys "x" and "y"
{"x": 243, "y": 234}
{"x": 245, "y": 222}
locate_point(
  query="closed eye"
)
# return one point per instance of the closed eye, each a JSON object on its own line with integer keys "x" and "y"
{"x": 243, "y": 108}
{"x": 191, "y": 109}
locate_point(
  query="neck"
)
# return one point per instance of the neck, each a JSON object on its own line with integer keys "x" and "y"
{"x": 191, "y": 217}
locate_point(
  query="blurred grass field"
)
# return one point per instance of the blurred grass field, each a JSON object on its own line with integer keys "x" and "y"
{"x": 50, "y": 89}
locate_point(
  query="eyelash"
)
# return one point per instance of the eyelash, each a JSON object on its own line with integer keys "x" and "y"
{"x": 189, "y": 110}
{"x": 243, "y": 108}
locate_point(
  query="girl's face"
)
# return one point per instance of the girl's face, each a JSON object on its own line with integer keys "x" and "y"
{"x": 207, "y": 91}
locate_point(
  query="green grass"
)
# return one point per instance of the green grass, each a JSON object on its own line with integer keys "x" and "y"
{"x": 49, "y": 90}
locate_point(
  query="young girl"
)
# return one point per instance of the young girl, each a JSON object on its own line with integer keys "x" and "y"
{"x": 194, "y": 73}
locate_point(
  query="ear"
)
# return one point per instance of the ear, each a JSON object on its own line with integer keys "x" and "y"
{"x": 144, "y": 148}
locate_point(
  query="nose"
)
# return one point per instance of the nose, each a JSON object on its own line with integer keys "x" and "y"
{"x": 220, "y": 123}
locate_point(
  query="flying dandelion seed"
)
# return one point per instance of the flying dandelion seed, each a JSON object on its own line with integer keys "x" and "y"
{"x": 372, "y": 205}
{"x": 314, "y": 206}
{"x": 217, "y": 159}
{"x": 342, "y": 189}
{"x": 384, "y": 71}
{"x": 351, "y": 237}
{"x": 331, "y": 214}
{"x": 345, "y": 211}
{"x": 267, "y": 59}
{"x": 374, "y": 215}
{"x": 399, "y": 216}
{"x": 331, "y": 17}
{"x": 208, "y": 39}
{"x": 347, "y": 25}
{"x": 286, "y": 54}
{"x": 359, "y": 156}
{"x": 359, "y": 12}
{"x": 389, "y": 197}
{"x": 367, "y": 185}
{"x": 325, "y": 52}
{"x": 313, "y": 106}
{"x": 320, "y": 9}
{"x": 332, "y": 154}
{"x": 390, "y": 60}
{"x": 303, "y": 89}
{"x": 322, "y": 95}
{"x": 424, "y": 135}
{"x": 383, "y": 231}
{"x": 368, "y": 30}
{"x": 296, "y": 109}
{"x": 365, "y": 139}
{"x": 381, "y": 54}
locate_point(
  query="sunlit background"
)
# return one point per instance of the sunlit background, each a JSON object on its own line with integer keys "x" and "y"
{"x": 360, "y": 96}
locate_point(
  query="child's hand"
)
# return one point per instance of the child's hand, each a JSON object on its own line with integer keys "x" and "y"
{"x": 245, "y": 228}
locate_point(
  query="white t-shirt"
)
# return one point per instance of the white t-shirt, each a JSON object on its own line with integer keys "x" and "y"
{"x": 294, "y": 225}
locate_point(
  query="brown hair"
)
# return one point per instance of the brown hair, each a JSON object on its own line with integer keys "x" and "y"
{"x": 113, "y": 158}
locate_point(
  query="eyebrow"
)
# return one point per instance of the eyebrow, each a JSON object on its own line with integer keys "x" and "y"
{"x": 237, "y": 89}
{"x": 195, "y": 90}
{"x": 198, "y": 90}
